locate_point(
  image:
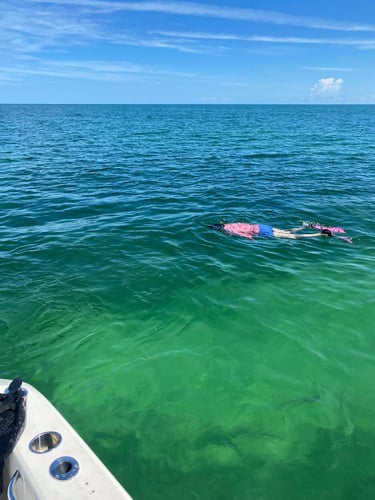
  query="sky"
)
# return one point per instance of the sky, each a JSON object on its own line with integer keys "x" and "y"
{"x": 187, "y": 52}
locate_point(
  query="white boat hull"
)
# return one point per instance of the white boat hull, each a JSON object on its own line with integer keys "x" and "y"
{"x": 51, "y": 461}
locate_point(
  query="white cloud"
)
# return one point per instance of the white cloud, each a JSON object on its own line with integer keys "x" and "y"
{"x": 114, "y": 71}
{"x": 324, "y": 68}
{"x": 213, "y": 11}
{"x": 25, "y": 31}
{"x": 368, "y": 44}
{"x": 33, "y": 26}
{"x": 327, "y": 87}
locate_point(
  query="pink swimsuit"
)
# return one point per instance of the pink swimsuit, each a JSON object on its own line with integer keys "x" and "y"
{"x": 242, "y": 229}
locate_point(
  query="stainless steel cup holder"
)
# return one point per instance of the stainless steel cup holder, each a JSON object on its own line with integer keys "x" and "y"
{"x": 46, "y": 441}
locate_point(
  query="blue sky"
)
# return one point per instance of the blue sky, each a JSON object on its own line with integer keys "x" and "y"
{"x": 217, "y": 51}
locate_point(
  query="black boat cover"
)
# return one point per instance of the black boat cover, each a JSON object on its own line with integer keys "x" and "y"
{"x": 12, "y": 420}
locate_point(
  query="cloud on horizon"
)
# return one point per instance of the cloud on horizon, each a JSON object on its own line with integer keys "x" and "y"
{"x": 327, "y": 87}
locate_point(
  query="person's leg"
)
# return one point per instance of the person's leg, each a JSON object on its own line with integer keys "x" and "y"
{"x": 311, "y": 235}
{"x": 281, "y": 233}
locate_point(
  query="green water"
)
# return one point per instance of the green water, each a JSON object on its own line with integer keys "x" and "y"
{"x": 195, "y": 364}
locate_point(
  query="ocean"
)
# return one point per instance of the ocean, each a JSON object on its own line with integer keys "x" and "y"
{"x": 197, "y": 365}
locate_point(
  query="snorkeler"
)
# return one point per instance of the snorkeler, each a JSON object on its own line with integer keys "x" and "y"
{"x": 250, "y": 230}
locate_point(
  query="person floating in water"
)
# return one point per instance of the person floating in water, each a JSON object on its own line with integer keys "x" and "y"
{"x": 250, "y": 230}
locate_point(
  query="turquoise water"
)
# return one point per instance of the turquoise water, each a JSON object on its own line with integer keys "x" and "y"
{"x": 196, "y": 365}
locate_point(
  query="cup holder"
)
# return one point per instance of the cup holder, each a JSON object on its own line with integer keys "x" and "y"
{"x": 46, "y": 441}
{"x": 64, "y": 468}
